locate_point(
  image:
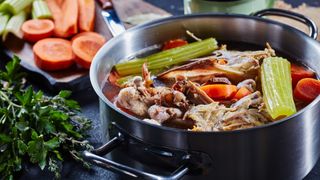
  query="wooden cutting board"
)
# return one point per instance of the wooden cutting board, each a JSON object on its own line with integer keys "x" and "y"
{"x": 74, "y": 78}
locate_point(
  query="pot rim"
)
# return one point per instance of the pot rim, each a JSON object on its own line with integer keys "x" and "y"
{"x": 98, "y": 57}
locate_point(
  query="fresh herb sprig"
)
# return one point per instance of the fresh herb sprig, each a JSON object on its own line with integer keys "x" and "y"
{"x": 36, "y": 128}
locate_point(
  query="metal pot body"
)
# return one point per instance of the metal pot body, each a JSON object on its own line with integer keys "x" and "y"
{"x": 287, "y": 149}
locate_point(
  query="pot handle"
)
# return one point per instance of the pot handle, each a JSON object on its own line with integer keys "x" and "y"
{"x": 313, "y": 29}
{"x": 95, "y": 157}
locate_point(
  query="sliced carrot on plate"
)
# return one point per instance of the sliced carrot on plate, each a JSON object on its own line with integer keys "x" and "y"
{"x": 53, "y": 54}
{"x": 307, "y": 89}
{"x": 37, "y": 29}
{"x": 85, "y": 48}
{"x": 86, "y": 15}
{"x": 220, "y": 91}
{"x": 65, "y": 16}
{"x": 90, "y": 34}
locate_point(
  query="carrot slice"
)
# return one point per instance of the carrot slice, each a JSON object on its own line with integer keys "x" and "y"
{"x": 242, "y": 92}
{"x": 65, "y": 16}
{"x": 85, "y": 48}
{"x": 307, "y": 89}
{"x": 174, "y": 43}
{"x": 53, "y": 54}
{"x": 91, "y": 34}
{"x": 37, "y": 29}
{"x": 57, "y": 16}
{"x": 220, "y": 91}
{"x": 86, "y": 15}
{"x": 298, "y": 73}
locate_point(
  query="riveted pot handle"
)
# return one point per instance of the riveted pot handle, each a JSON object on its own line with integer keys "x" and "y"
{"x": 95, "y": 157}
{"x": 313, "y": 29}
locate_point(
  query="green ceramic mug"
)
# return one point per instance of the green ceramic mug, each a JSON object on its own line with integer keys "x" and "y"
{"x": 226, "y": 6}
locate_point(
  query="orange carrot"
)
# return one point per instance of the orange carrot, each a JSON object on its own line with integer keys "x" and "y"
{"x": 85, "y": 48}
{"x": 307, "y": 89}
{"x": 220, "y": 91}
{"x": 174, "y": 43}
{"x": 65, "y": 16}
{"x": 37, "y": 29}
{"x": 242, "y": 92}
{"x": 53, "y": 54}
{"x": 70, "y": 11}
{"x": 298, "y": 73}
{"x": 91, "y": 34}
{"x": 86, "y": 15}
{"x": 57, "y": 15}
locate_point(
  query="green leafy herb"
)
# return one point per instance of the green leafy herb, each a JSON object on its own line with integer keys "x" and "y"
{"x": 40, "y": 129}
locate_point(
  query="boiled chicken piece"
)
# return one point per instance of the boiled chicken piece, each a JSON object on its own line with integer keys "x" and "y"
{"x": 200, "y": 71}
{"x": 192, "y": 91}
{"x": 162, "y": 114}
{"x": 251, "y": 100}
{"x": 218, "y": 80}
{"x": 244, "y": 113}
{"x": 169, "y": 97}
{"x": 243, "y": 118}
{"x": 250, "y": 84}
{"x": 234, "y": 65}
{"x": 130, "y": 98}
{"x": 137, "y": 98}
{"x": 207, "y": 117}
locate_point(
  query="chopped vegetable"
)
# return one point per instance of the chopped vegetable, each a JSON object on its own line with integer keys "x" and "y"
{"x": 37, "y": 129}
{"x": 14, "y": 6}
{"x": 14, "y": 25}
{"x": 40, "y": 10}
{"x": 277, "y": 88}
{"x": 307, "y": 89}
{"x": 242, "y": 92}
{"x": 91, "y": 34}
{"x": 86, "y": 15}
{"x": 220, "y": 91}
{"x": 169, "y": 57}
{"x": 65, "y": 16}
{"x": 37, "y": 29}
{"x": 53, "y": 54}
{"x": 174, "y": 43}
{"x": 4, "y": 18}
{"x": 300, "y": 72}
{"x": 85, "y": 48}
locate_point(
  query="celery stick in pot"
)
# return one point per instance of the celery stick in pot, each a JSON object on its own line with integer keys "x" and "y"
{"x": 277, "y": 87}
{"x": 169, "y": 57}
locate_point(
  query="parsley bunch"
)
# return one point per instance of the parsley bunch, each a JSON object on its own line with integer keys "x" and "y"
{"x": 36, "y": 128}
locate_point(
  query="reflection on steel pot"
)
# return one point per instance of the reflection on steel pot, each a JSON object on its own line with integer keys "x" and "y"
{"x": 286, "y": 149}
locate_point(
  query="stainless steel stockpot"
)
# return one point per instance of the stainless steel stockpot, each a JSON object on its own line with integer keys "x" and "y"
{"x": 285, "y": 149}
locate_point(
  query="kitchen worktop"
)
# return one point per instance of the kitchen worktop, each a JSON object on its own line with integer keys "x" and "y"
{"x": 90, "y": 106}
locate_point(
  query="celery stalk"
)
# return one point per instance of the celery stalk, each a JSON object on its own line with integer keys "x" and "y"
{"x": 169, "y": 57}
{"x": 14, "y": 6}
{"x": 14, "y": 25}
{"x": 277, "y": 88}
{"x": 40, "y": 10}
{"x": 4, "y": 18}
